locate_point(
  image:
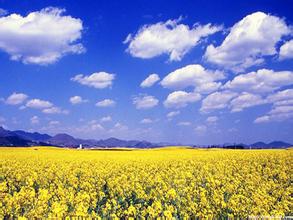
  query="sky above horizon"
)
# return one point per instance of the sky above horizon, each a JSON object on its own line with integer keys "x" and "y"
{"x": 198, "y": 72}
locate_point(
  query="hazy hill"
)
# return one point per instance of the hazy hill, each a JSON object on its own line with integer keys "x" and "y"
{"x": 274, "y": 144}
{"x": 35, "y": 136}
{"x": 63, "y": 140}
{"x": 23, "y": 138}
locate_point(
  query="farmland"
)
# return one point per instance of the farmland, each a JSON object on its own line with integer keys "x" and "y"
{"x": 168, "y": 183}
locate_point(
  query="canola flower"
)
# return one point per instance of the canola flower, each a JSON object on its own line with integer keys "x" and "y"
{"x": 170, "y": 183}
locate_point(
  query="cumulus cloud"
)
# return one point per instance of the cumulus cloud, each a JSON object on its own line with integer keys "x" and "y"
{"x": 278, "y": 114}
{"x": 46, "y": 106}
{"x": 180, "y": 99}
{"x": 284, "y": 97}
{"x": 38, "y": 104}
{"x": 170, "y": 37}
{"x": 54, "y": 123}
{"x": 150, "y": 80}
{"x": 54, "y": 110}
{"x": 146, "y": 121}
{"x": 145, "y": 101}
{"x": 98, "y": 80}
{"x": 194, "y": 75}
{"x": 118, "y": 127}
{"x": 35, "y": 120}
{"x": 16, "y": 98}
{"x": 282, "y": 108}
{"x": 96, "y": 127}
{"x": 286, "y": 50}
{"x": 77, "y": 100}
{"x": 93, "y": 125}
{"x": 246, "y": 100}
{"x": 200, "y": 129}
{"x": 41, "y": 37}
{"x": 249, "y": 40}
{"x": 184, "y": 123}
{"x": 261, "y": 81}
{"x": 172, "y": 114}
{"x": 212, "y": 119}
{"x": 217, "y": 100}
{"x": 106, "y": 119}
{"x": 106, "y": 103}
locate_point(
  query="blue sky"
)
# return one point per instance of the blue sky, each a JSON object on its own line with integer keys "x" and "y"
{"x": 200, "y": 72}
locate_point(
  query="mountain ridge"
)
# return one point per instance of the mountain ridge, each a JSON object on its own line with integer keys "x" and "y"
{"x": 24, "y": 138}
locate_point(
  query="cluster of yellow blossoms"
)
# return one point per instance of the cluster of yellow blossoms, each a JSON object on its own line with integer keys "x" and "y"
{"x": 166, "y": 183}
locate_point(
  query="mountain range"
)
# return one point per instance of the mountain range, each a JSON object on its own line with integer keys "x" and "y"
{"x": 23, "y": 138}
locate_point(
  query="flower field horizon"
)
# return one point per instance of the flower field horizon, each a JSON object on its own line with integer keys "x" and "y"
{"x": 167, "y": 183}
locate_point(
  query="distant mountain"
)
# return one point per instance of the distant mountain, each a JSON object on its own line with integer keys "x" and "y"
{"x": 274, "y": 144}
{"x": 9, "y": 138}
{"x": 63, "y": 140}
{"x": 35, "y": 136}
{"x": 279, "y": 144}
{"x": 23, "y": 138}
{"x": 259, "y": 145}
{"x": 144, "y": 144}
{"x": 111, "y": 142}
{"x": 115, "y": 142}
{"x": 14, "y": 141}
{"x": 6, "y": 133}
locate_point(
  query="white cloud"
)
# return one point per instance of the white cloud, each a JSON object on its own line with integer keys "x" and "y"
{"x": 193, "y": 75}
{"x": 217, "y": 100}
{"x": 77, "y": 100}
{"x": 180, "y": 99}
{"x": 170, "y": 37}
{"x": 282, "y": 109}
{"x": 119, "y": 126}
{"x": 212, "y": 119}
{"x": 286, "y": 50}
{"x": 93, "y": 125}
{"x": 172, "y": 114}
{"x": 54, "y": 110}
{"x": 98, "y": 80}
{"x": 96, "y": 127}
{"x": 255, "y": 36}
{"x": 184, "y": 123}
{"x": 263, "y": 80}
{"x": 35, "y": 120}
{"x": 106, "y": 103}
{"x": 284, "y": 97}
{"x": 16, "y": 98}
{"x": 246, "y": 100}
{"x": 146, "y": 121}
{"x": 145, "y": 101}
{"x": 262, "y": 119}
{"x": 54, "y": 123}
{"x": 106, "y": 119}
{"x": 38, "y": 104}
{"x": 278, "y": 114}
{"x": 200, "y": 129}
{"x": 46, "y": 106}
{"x": 281, "y": 95}
{"x": 150, "y": 80}
{"x": 41, "y": 37}
{"x": 284, "y": 102}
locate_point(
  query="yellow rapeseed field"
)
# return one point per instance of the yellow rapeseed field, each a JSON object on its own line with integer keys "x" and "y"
{"x": 167, "y": 183}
